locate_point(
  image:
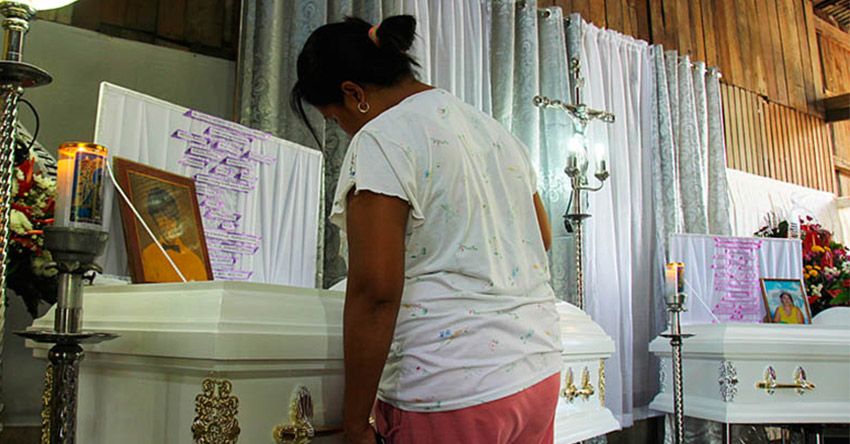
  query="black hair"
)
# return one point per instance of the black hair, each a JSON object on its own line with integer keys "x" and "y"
{"x": 162, "y": 204}
{"x": 343, "y": 51}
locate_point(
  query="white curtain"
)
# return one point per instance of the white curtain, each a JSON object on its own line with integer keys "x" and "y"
{"x": 667, "y": 176}
{"x": 619, "y": 239}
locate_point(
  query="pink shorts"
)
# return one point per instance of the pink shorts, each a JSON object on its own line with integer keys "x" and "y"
{"x": 527, "y": 417}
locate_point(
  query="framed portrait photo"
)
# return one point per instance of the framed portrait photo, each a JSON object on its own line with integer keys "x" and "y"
{"x": 169, "y": 207}
{"x": 785, "y": 301}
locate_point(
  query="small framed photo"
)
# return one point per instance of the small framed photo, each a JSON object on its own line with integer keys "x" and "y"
{"x": 785, "y": 301}
{"x": 168, "y": 205}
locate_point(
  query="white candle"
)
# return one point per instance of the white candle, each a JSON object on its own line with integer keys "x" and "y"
{"x": 671, "y": 275}
{"x": 64, "y": 187}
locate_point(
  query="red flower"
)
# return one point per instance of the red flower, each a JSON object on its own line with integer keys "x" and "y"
{"x": 833, "y": 293}
{"x": 25, "y": 184}
{"x": 826, "y": 260}
{"x": 812, "y": 299}
{"x": 846, "y": 283}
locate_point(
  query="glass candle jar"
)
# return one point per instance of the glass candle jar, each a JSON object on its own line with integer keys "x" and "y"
{"x": 79, "y": 185}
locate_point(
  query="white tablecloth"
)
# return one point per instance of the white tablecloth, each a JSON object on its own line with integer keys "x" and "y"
{"x": 708, "y": 280}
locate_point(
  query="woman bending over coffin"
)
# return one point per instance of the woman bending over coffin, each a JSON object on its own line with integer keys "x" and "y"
{"x": 449, "y": 318}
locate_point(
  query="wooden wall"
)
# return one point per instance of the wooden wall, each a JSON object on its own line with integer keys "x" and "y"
{"x": 209, "y": 27}
{"x": 764, "y": 46}
{"x": 777, "y": 141}
{"x": 774, "y": 81}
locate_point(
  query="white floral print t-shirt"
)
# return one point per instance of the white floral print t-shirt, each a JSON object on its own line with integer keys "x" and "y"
{"x": 477, "y": 320}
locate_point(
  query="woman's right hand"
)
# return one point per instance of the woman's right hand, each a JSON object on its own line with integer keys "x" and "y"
{"x": 361, "y": 436}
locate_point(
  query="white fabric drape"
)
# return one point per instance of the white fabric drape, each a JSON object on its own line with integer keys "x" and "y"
{"x": 618, "y": 73}
{"x": 753, "y": 197}
{"x": 278, "y": 216}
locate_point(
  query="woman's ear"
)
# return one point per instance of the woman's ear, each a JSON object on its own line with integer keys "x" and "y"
{"x": 352, "y": 91}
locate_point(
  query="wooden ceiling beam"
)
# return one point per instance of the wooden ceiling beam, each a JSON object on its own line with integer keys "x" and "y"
{"x": 837, "y": 108}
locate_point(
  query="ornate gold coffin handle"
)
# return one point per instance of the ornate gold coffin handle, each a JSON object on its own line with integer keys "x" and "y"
{"x": 300, "y": 430}
{"x": 571, "y": 392}
{"x": 800, "y": 384}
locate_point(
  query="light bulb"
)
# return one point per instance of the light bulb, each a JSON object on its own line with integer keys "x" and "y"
{"x": 600, "y": 151}
{"x": 577, "y": 144}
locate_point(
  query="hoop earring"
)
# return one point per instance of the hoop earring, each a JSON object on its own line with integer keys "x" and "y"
{"x": 363, "y": 109}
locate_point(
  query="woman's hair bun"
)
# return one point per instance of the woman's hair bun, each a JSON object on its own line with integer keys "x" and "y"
{"x": 397, "y": 32}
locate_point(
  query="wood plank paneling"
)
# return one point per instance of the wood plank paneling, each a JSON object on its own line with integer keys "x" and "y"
{"x": 171, "y": 19}
{"x": 757, "y": 49}
{"x": 814, "y": 56}
{"x": 791, "y": 50}
{"x": 212, "y": 28}
{"x": 777, "y": 82}
{"x": 597, "y": 13}
{"x": 805, "y": 56}
{"x": 709, "y": 39}
{"x": 776, "y": 141}
{"x": 614, "y": 15}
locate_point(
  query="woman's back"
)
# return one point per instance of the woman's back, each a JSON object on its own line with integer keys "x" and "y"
{"x": 476, "y": 306}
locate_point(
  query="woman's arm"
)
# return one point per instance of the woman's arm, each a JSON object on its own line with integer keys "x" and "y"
{"x": 776, "y": 314}
{"x": 375, "y": 230}
{"x": 800, "y": 318}
{"x": 543, "y": 222}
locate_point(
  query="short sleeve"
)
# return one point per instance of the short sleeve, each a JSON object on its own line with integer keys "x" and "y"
{"x": 379, "y": 166}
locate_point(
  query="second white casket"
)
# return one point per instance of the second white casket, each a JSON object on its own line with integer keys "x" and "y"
{"x": 761, "y": 373}
{"x": 161, "y": 382}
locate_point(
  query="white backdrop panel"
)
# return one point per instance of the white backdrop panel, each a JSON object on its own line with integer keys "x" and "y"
{"x": 775, "y": 258}
{"x": 752, "y": 197}
{"x": 259, "y": 195}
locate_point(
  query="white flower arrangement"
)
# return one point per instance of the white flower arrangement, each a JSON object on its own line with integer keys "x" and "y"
{"x": 19, "y": 223}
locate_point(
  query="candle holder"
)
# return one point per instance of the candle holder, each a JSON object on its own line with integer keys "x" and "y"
{"x": 676, "y": 303}
{"x": 74, "y": 241}
{"x": 73, "y": 250}
{"x": 577, "y": 165}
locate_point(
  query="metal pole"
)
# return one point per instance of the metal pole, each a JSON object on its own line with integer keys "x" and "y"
{"x": 678, "y": 401}
{"x": 11, "y": 94}
{"x": 675, "y": 305}
{"x": 579, "y": 243}
{"x": 65, "y": 360}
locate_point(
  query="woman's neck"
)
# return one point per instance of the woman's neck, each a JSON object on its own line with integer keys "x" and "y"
{"x": 386, "y": 98}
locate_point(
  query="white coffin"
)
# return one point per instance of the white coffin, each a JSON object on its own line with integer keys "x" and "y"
{"x": 586, "y": 346}
{"x": 266, "y": 340}
{"x": 723, "y": 364}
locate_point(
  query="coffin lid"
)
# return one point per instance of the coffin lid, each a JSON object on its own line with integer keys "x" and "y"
{"x": 761, "y": 340}
{"x": 229, "y": 321}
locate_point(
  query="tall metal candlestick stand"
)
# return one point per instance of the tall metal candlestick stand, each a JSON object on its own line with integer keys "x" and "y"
{"x": 675, "y": 306}
{"x": 576, "y": 169}
{"x": 74, "y": 250}
{"x": 14, "y": 77}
